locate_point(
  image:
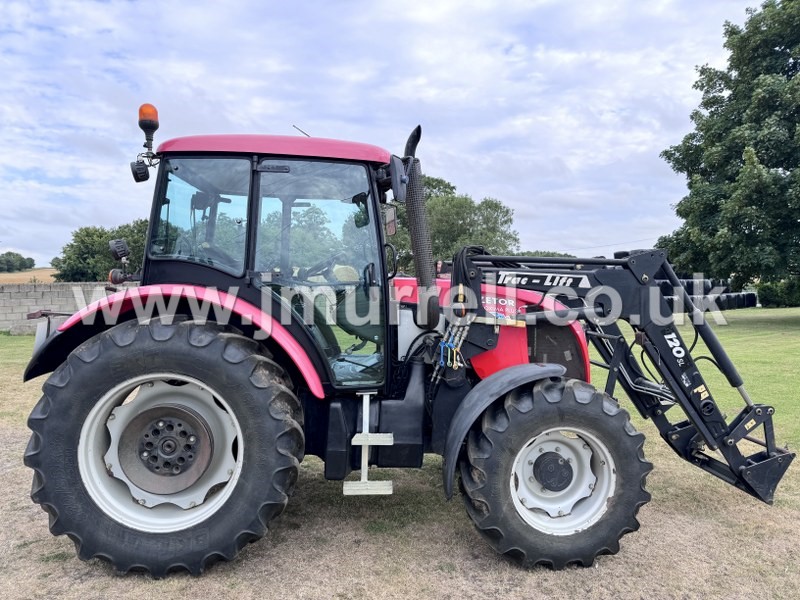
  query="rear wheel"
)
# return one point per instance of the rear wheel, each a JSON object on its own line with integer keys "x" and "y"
{"x": 554, "y": 474}
{"x": 165, "y": 446}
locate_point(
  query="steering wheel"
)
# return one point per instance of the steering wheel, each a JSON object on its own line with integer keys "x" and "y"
{"x": 218, "y": 256}
{"x": 185, "y": 246}
{"x": 323, "y": 266}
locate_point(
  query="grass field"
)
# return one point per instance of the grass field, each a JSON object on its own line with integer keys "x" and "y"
{"x": 700, "y": 538}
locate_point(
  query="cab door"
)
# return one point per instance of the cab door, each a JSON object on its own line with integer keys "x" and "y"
{"x": 317, "y": 246}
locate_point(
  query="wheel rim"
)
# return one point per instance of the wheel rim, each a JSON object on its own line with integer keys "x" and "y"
{"x": 561, "y": 481}
{"x": 186, "y": 426}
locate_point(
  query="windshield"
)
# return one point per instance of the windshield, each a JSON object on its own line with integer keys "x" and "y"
{"x": 202, "y": 216}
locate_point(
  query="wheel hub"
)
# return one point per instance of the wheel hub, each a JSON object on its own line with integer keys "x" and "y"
{"x": 553, "y": 471}
{"x": 162, "y": 447}
{"x": 166, "y": 449}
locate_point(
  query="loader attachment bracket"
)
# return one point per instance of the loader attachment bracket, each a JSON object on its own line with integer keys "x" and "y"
{"x": 763, "y": 477}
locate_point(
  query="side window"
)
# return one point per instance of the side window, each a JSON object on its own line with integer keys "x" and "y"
{"x": 314, "y": 220}
{"x": 317, "y": 242}
{"x": 203, "y": 213}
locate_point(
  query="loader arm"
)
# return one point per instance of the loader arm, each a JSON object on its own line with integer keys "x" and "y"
{"x": 681, "y": 405}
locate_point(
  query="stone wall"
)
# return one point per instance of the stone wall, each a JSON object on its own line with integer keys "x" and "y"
{"x": 17, "y": 300}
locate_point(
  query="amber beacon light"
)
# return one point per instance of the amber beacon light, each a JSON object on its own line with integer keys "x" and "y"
{"x": 148, "y": 122}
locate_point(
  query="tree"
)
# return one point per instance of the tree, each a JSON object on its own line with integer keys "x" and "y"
{"x": 13, "y": 261}
{"x": 87, "y": 256}
{"x": 742, "y": 213}
{"x": 456, "y": 220}
{"x": 536, "y": 253}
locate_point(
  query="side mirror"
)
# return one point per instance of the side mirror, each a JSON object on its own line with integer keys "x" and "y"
{"x": 119, "y": 249}
{"x": 397, "y": 170}
{"x": 390, "y": 219}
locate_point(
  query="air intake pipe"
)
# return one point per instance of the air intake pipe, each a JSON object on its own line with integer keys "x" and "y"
{"x": 428, "y": 298}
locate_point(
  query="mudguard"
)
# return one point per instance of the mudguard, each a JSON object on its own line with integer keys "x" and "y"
{"x": 478, "y": 400}
{"x": 141, "y": 301}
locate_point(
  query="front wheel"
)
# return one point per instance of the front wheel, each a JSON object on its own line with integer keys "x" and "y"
{"x": 165, "y": 446}
{"x": 554, "y": 474}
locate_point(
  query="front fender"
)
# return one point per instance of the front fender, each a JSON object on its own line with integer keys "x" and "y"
{"x": 478, "y": 400}
{"x": 147, "y": 301}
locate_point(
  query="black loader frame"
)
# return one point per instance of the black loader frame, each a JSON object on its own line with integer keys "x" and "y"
{"x": 632, "y": 286}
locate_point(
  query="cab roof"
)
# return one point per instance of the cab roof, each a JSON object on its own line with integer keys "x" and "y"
{"x": 277, "y": 144}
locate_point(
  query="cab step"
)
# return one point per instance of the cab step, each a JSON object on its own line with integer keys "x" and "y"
{"x": 365, "y": 439}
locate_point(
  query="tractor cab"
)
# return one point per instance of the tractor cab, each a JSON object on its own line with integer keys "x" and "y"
{"x": 287, "y": 220}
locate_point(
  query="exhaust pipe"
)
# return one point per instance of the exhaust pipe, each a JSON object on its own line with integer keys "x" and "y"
{"x": 428, "y": 297}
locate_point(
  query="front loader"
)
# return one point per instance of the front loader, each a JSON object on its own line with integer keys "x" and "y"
{"x": 268, "y": 323}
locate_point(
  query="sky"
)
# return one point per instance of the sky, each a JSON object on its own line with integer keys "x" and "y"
{"x": 558, "y": 109}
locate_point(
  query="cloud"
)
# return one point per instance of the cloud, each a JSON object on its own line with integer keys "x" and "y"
{"x": 558, "y": 109}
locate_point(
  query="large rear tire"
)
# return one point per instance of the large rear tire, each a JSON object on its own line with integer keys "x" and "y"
{"x": 554, "y": 474}
{"x": 165, "y": 447}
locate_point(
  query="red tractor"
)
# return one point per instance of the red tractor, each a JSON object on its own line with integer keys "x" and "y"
{"x": 268, "y": 323}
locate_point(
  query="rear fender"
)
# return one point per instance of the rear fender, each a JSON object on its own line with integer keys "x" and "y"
{"x": 478, "y": 400}
{"x": 144, "y": 302}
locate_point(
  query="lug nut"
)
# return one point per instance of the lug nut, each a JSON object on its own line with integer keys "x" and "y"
{"x": 192, "y": 439}
{"x": 145, "y": 454}
{"x": 161, "y": 424}
{"x": 142, "y": 501}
